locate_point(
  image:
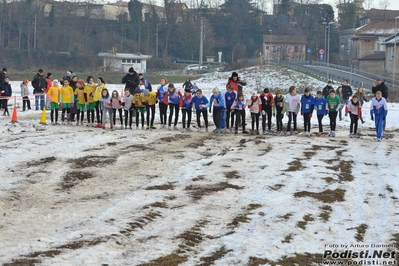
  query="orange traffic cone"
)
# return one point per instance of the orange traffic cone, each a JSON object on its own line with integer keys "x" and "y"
{"x": 14, "y": 117}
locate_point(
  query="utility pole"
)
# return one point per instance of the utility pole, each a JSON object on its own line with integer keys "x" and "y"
{"x": 156, "y": 43}
{"x": 34, "y": 35}
{"x": 201, "y": 44}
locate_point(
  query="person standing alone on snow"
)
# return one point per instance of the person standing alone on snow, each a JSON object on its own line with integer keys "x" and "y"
{"x": 379, "y": 85}
{"x": 378, "y": 113}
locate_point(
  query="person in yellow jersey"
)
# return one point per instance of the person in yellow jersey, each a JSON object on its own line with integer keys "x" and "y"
{"x": 151, "y": 100}
{"x": 67, "y": 100}
{"x": 97, "y": 104}
{"x": 139, "y": 104}
{"x": 81, "y": 102}
{"x": 90, "y": 89}
{"x": 53, "y": 95}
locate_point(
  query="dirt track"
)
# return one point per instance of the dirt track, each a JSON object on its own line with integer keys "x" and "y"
{"x": 164, "y": 198}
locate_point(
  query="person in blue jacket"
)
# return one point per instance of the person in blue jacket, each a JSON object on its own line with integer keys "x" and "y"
{"x": 201, "y": 104}
{"x": 217, "y": 101}
{"x": 174, "y": 98}
{"x": 378, "y": 113}
{"x": 161, "y": 91}
{"x": 187, "y": 109}
{"x": 307, "y": 107}
{"x": 230, "y": 97}
{"x": 321, "y": 110}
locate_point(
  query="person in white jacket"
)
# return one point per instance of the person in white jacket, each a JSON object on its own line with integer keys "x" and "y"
{"x": 25, "y": 95}
{"x": 255, "y": 107}
{"x": 293, "y": 102}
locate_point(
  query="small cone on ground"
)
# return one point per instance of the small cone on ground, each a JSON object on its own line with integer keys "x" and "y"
{"x": 43, "y": 118}
{"x": 14, "y": 117}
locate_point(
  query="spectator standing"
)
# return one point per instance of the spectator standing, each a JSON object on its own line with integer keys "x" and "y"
{"x": 6, "y": 91}
{"x": 327, "y": 89}
{"x": 39, "y": 84}
{"x": 236, "y": 82}
{"x": 187, "y": 84}
{"x": 25, "y": 95}
{"x": 346, "y": 93}
{"x": 379, "y": 85}
{"x": 131, "y": 80}
{"x": 3, "y": 75}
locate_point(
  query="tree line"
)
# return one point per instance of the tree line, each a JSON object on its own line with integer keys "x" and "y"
{"x": 32, "y": 35}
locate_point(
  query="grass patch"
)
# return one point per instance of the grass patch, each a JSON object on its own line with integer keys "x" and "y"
{"x": 286, "y": 216}
{"x": 197, "y": 143}
{"x": 217, "y": 255}
{"x": 309, "y": 154}
{"x": 92, "y": 161}
{"x": 156, "y": 205}
{"x": 361, "y": 230}
{"x": 329, "y": 179}
{"x": 243, "y": 217}
{"x": 276, "y": 186}
{"x": 199, "y": 178}
{"x": 73, "y": 178}
{"x": 389, "y": 189}
{"x": 326, "y": 196}
{"x": 43, "y": 161}
{"x": 306, "y": 218}
{"x": 167, "y": 186}
{"x": 31, "y": 258}
{"x": 191, "y": 237}
{"x": 287, "y": 239}
{"x": 306, "y": 259}
{"x": 140, "y": 222}
{"x": 346, "y": 170}
{"x": 172, "y": 259}
{"x": 295, "y": 165}
{"x": 232, "y": 175}
{"x": 197, "y": 192}
{"x": 325, "y": 214}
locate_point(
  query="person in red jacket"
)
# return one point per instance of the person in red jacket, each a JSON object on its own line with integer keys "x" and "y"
{"x": 267, "y": 104}
{"x": 235, "y": 81}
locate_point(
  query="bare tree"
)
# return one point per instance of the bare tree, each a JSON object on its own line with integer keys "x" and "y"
{"x": 383, "y": 4}
{"x": 368, "y": 4}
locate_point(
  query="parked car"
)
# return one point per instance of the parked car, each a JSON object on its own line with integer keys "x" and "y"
{"x": 195, "y": 67}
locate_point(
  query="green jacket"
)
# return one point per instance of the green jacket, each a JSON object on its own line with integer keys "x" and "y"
{"x": 333, "y": 103}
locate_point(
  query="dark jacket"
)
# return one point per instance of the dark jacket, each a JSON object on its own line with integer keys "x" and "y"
{"x": 382, "y": 88}
{"x": 6, "y": 87}
{"x": 2, "y": 77}
{"x": 187, "y": 84}
{"x": 132, "y": 81}
{"x": 39, "y": 84}
{"x": 326, "y": 91}
{"x": 346, "y": 92}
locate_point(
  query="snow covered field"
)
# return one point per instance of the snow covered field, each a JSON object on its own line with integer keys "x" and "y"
{"x": 83, "y": 196}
